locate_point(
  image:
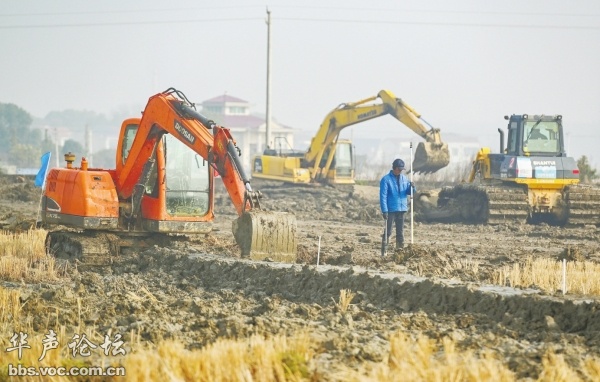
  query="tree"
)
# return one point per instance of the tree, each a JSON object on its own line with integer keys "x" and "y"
{"x": 15, "y": 127}
{"x": 75, "y": 119}
{"x": 104, "y": 158}
{"x": 27, "y": 156}
{"x": 586, "y": 172}
{"x": 74, "y": 147}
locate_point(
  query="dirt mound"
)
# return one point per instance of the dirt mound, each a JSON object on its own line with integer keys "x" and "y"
{"x": 19, "y": 188}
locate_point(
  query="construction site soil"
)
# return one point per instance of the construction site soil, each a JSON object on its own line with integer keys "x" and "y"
{"x": 437, "y": 286}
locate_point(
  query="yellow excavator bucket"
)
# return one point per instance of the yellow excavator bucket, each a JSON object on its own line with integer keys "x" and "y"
{"x": 267, "y": 234}
{"x": 430, "y": 157}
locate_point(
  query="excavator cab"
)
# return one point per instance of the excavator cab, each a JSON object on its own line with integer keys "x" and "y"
{"x": 337, "y": 164}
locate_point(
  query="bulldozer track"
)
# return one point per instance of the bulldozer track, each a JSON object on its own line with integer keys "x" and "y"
{"x": 477, "y": 203}
{"x": 584, "y": 205}
{"x": 507, "y": 204}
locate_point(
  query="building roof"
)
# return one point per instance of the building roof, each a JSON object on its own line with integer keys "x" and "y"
{"x": 224, "y": 98}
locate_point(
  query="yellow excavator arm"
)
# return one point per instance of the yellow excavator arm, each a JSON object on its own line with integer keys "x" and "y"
{"x": 410, "y": 117}
{"x": 429, "y": 157}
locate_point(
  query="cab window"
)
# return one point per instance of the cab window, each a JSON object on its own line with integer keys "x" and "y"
{"x": 129, "y": 136}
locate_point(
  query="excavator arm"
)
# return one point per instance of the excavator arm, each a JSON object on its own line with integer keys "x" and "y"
{"x": 410, "y": 117}
{"x": 258, "y": 233}
{"x": 166, "y": 113}
{"x": 430, "y": 156}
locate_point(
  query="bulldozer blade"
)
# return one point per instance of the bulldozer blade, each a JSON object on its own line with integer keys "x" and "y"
{"x": 430, "y": 157}
{"x": 267, "y": 234}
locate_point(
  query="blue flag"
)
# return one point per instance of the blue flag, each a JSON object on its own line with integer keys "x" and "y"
{"x": 40, "y": 178}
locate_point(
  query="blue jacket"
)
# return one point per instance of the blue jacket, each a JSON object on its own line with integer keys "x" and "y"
{"x": 393, "y": 193}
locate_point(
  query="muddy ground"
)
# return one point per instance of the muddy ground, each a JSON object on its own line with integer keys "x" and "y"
{"x": 202, "y": 291}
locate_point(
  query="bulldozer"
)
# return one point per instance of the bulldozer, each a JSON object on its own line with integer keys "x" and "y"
{"x": 531, "y": 180}
{"x": 330, "y": 160}
{"x": 161, "y": 189}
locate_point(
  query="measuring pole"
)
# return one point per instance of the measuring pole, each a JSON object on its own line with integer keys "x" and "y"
{"x": 412, "y": 239}
{"x": 268, "y": 116}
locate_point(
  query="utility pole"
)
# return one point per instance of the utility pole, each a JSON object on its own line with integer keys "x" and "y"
{"x": 88, "y": 144}
{"x": 56, "y": 145}
{"x": 268, "y": 114}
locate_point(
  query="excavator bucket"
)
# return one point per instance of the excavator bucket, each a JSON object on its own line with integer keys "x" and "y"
{"x": 430, "y": 157}
{"x": 267, "y": 234}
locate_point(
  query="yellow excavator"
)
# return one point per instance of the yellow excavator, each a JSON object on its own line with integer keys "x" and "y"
{"x": 330, "y": 160}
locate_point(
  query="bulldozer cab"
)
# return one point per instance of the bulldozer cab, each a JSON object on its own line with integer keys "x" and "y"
{"x": 535, "y": 136}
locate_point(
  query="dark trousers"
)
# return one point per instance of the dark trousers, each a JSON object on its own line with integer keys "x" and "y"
{"x": 398, "y": 219}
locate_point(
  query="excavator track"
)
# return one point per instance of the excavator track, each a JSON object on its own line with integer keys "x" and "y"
{"x": 584, "y": 205}
{"x": 95, "y": 250}
{"x": 481, "y": 204}
{"x": 86, "y": 251}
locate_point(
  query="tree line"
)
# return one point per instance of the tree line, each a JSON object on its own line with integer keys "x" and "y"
{"x": 26, "y": 138}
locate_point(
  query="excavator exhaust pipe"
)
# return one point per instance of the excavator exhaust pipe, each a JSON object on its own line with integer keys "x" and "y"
{"x": 267, "y": 234}
{"x": 430, "y": 157}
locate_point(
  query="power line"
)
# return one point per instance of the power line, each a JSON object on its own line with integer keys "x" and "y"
{"x": 124, "y": 23}
{"x": 353, "y": 21}
{"x": 435, "y": 23}
{"x": 450, "y": 11}
{"x": 360, "y": 9}
{"x": 120, "y": 12}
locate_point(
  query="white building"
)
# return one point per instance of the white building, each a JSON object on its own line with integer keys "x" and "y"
{"x": 248, "y": 130}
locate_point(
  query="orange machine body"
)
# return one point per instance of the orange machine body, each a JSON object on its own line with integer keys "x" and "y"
{"x": 159, "y": 184}
{"x": 86, "y": 198}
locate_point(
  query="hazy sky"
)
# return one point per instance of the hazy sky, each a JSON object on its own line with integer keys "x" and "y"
{"x": 463, "y": 64}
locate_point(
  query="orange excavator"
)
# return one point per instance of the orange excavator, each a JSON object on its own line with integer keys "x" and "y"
{"x": 162, "y": 188}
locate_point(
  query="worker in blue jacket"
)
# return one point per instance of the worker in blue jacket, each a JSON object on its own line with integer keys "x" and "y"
{"x": 394, "y": 189}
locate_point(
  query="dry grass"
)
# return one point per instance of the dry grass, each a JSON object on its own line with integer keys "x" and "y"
{"x": 424, "y": 359}
{"x": 59, "y": 357}
{"x": 556, "y": 369}
{"x": 253, "y": 359}
{"x": 346, "y": 296}
{"x": 23, "y": 257}
{"x": 583, "y": 277}
{"x": 10, "y": 306}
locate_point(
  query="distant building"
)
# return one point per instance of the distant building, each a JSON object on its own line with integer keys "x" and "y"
{"x": 248, "y": 129}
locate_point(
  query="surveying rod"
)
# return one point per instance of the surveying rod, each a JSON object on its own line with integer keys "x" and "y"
{"x": 412, "y": 239}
